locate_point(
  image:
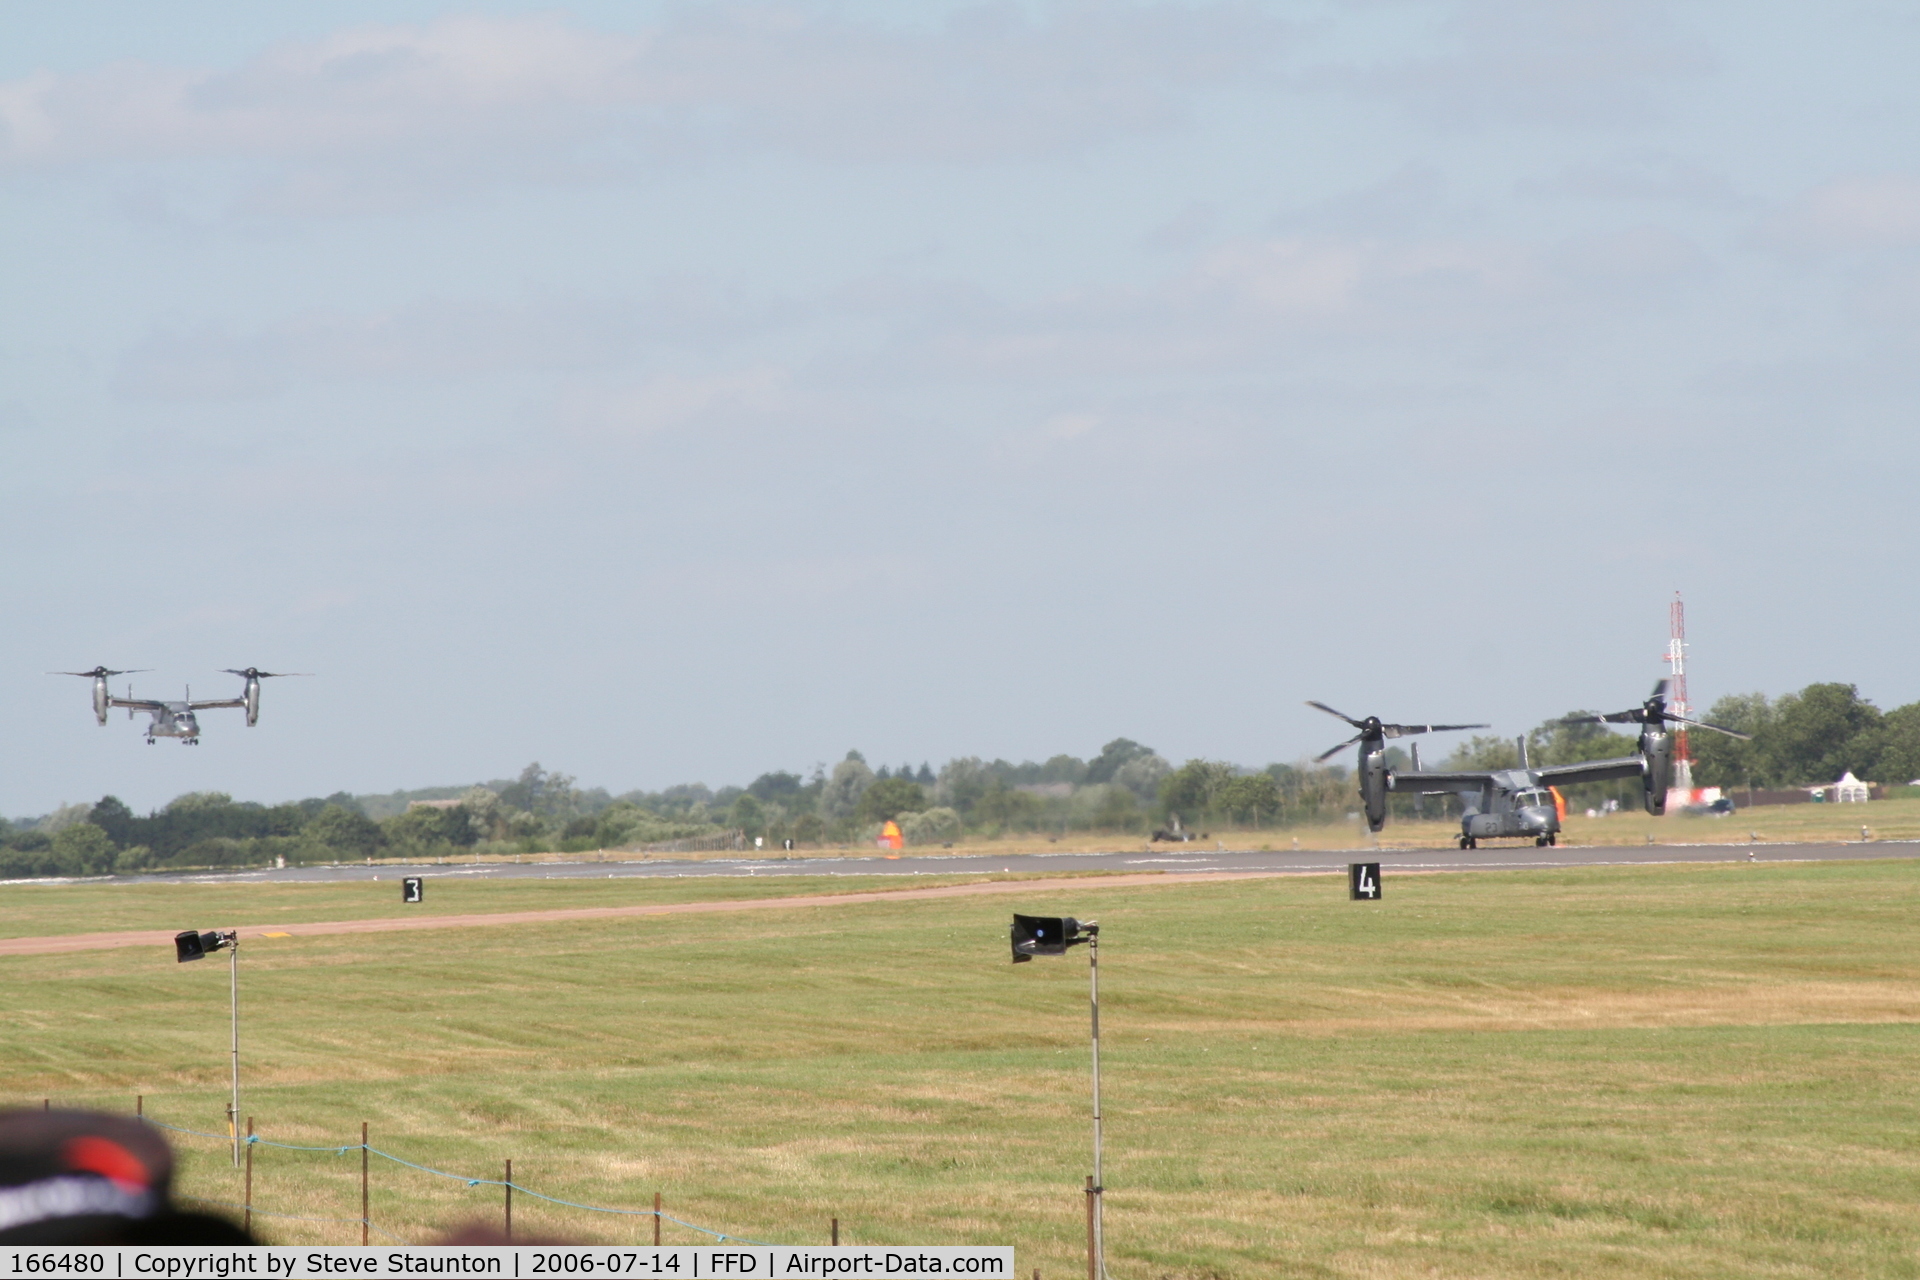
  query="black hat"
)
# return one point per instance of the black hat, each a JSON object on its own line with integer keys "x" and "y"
{"x": 80, "y": 1177}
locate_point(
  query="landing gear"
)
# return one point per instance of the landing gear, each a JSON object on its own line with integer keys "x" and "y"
{"x": 1468, "y": 842}
{"x": 1539, "y": 842}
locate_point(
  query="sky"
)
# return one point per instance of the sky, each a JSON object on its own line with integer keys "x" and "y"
{"x": 679, "y": 392}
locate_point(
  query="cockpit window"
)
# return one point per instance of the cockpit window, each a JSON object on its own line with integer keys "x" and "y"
{"x": 1526, "y": 799}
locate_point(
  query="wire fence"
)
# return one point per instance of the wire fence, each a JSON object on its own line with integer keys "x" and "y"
{"x": 506, "y": 1184}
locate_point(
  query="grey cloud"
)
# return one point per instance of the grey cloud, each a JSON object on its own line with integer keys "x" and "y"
{"x": 1569, "y": 62}
{"x": 1861, "y": 213}
{"x": 434, "y": 339}
{"x": 538, "y": 94}
{"x": 1642, "y": 175}
{"x": 1406, "y": 200}
{"x": 1250, "y": 302}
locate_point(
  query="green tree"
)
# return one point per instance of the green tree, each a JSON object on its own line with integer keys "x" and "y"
{"x": 841, "y": 796}
{"x": 1252, "y": 796}
{"x": 1720, "y": 761}
{"x": 1143, "y": 775}
{"x": 1820, "y": 733}
{"x": 1484, "y": 752}
{"x": 1113, "y": 808}
{"x": 551, "y": 795}
{"x": 1112, "y": 756}
{"x": 345, "y": 832}
{"x": 1900, "y": 745}
{"x": 747, "y": 815}
{"x": 930, "y": 826}
{"x": 962, "y": 782}
{"x": 112, "y": 816}
{"x": 1007, "y": 808}
{"x": 1194, "y": 789}
{"x": 83, "y": 849}
{"x": 425, "y": 827}
{"x": 888, "y": 798}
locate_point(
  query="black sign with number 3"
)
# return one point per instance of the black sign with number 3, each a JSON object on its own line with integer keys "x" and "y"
{"x": 1363, "y": 881}
{"x": 412, "y": 889}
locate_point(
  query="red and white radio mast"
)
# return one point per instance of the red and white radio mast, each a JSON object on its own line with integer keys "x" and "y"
{"x": 1677, "y": 696}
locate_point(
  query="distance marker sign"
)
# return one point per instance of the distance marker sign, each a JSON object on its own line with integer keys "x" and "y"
{"x": 1363, "y": 881}
{"x": 412, "y": 889}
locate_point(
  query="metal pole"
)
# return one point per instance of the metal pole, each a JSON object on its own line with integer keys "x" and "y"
{"x": 509, "y": 1182}
{"x": 836, "y": 1231}
{"x": 656, "y": 1219}
{"x": 366, "y": 1218}
{"x": 1099, "y": 1261}
{"x": 233, "y": 989}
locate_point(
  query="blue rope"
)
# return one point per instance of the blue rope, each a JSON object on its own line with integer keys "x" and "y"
{"x": 719, "y": 1236}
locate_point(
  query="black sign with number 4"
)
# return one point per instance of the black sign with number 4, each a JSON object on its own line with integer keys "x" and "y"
{"x": 1363, "y": 881}
{"x": 411, "y": 889}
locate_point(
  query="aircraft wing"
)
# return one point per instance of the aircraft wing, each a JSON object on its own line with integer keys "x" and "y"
{"x": 1568, "y": 775}
{"x": 1434, "y": 783}
{"x": 136, "y": 704}
{"x": 218, "y": 702}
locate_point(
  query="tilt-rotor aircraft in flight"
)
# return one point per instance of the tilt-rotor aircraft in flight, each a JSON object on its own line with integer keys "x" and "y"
{"x": 175, "y": 719}
{"x": 1506, "y": 803}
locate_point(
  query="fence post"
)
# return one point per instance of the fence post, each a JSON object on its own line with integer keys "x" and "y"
{"x": 366, "y": 1219}
{"x": 836, "y": 1231}
{"x": 140, "y": 1106}
{"x": 509, "y": 1181}
{"x": 1091, "y": 1264}
{"x": 656, "y": 1219}
{"x": 249, "y": 1197}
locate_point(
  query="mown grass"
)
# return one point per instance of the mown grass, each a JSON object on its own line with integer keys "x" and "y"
{"x": 1665, "y": 1071}
{"x": 110, "y": 906}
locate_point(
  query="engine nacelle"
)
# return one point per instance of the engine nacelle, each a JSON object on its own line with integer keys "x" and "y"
{"x": 1373, "y": 784}
{"x": 1656, "y": 749}
{"x": 252, "y": 699}
{"x": 100, "y": 699}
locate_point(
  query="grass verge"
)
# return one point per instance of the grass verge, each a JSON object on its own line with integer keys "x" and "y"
{"x": 1664, "y": 1071}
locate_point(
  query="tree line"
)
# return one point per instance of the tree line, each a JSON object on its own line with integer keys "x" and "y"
{"x": 1800, "y": 739}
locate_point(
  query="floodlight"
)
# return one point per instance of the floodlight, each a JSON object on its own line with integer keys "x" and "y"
{"x": 1048, "y": 936}
{"x": 1051, "y": 936}
{"x": 195, "y": 945}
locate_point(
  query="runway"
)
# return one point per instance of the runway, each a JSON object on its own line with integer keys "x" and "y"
{"x": 1302, "y": 861}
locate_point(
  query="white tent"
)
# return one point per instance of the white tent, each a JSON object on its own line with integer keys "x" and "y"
{"x": 1849, "y": 790}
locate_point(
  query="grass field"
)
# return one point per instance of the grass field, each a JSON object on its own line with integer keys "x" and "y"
{"x": 1666, "y": 1071}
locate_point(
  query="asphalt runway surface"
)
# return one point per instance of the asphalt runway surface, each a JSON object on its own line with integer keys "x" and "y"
{"x": 1300, "y": 861}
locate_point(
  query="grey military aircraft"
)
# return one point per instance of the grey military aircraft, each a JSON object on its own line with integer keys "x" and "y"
{"x": 175, "y": 719}
{"x": 1510, "y": 803}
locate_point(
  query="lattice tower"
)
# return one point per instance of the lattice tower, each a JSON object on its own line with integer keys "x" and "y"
{"x": 1677, "y": 692}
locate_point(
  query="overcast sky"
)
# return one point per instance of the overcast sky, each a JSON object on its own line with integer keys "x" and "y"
{"x": 680, "y": 392}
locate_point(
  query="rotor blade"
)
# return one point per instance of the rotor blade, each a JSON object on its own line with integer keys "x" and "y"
{"x": 101, "y": 671}
{"x": 1402, "y": 730}
{"x": 1660, "y": 689}
{"x": 1338, "y": 715}
{"x": 1582, "y": 720}
{"x": 1331, "y": 752}
{"x": 254, "y": 673}
{"x": 1702, "y": 724}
